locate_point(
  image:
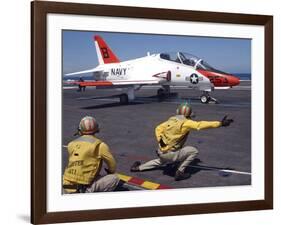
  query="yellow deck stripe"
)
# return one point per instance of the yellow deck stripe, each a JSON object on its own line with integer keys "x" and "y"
{"x": 124, "y": 177}
{"x": 150, "y": 185}
{"x": 146, "y": 184}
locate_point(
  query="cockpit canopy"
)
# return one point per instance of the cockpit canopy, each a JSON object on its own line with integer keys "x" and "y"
{"x": 188, "y": 59}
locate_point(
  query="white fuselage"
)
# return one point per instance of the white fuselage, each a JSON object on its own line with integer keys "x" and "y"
{"x": 150, "y": 69}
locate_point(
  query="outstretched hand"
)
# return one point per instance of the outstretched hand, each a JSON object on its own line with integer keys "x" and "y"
{"x": 226, "y": 122}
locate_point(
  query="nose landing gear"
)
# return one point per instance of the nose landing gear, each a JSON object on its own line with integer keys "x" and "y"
{"x": 205, "y": 98}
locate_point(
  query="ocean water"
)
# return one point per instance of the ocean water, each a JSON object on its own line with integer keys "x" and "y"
{"x": 85, "y": 77}
{"x": 243, "y": 76}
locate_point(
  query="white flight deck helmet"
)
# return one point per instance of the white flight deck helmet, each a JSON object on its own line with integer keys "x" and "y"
{"x": 88, "y": 125}
{"x": 184, "y": 109}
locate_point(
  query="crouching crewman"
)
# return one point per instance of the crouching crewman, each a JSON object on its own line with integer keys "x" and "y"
{"x": 86, "y": 154}
{"x": 171, "y": 136}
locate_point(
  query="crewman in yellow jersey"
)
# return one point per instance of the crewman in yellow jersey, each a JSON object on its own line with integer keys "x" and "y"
{"x": 171, "y": 136}
{"x": 86, "y": 155}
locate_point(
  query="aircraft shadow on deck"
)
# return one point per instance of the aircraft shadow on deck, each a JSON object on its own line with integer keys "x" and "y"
{"x": 110, "y": 105}
{"x": 137, "y": 101}
{"x": 155, "y": 99}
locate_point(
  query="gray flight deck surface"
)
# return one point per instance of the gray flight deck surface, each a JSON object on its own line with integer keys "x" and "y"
{"x": 129, "y": 132}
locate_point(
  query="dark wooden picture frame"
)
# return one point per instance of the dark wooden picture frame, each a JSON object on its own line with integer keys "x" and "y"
{"x": 39, "y": 13}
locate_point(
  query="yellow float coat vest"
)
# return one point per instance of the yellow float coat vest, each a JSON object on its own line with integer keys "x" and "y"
{"x": 84, "y": 160}
{"x": 173, "y": 133}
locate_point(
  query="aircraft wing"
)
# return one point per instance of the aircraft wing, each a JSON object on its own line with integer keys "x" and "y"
{"x": 80, "y": 72}
{"x": 158, "y": 78}
{"x": 116, "y": 82}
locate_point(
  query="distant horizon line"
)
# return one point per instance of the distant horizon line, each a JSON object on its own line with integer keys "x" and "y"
{"x": 242, "y": 73}
{"x": 226, "y": 72}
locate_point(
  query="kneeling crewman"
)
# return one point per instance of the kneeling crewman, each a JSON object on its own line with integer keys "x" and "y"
{"x": 171, "y": 136}
{"x": 86, "y": 154}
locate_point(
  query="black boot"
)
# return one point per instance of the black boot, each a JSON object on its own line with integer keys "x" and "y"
{"x": 121, "y": 186}
{"x": 135, "y": 166}
{"x": 181, "y": 175}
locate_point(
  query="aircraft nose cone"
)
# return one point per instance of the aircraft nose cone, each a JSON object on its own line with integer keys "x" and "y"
{"x": 233, "y": 81}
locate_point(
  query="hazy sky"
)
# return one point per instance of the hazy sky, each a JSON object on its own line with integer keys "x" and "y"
{"x": 227, "y": 54}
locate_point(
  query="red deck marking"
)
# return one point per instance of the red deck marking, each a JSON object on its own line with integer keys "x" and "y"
{"x": 135, "y": 180}
{"x": 95, "y": 83}
{"x": 139, "y": 182}
{"x": 163, "y": 187}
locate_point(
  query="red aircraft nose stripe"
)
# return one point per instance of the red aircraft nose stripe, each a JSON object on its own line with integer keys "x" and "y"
{"x": 220, "y": 80}
{"x": 234, "y": 80}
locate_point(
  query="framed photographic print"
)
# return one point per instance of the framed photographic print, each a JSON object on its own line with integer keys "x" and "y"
{"x": 144, "y": 112}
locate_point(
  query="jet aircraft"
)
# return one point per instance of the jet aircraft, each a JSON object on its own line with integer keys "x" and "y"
{"x": 162, "y": 69}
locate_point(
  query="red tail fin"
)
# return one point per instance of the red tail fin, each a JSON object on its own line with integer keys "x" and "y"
{"x": 105, "y": 54}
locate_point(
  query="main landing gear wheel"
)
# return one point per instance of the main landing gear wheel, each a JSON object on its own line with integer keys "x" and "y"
{"x": 161, "y": 92}
{"x": 165, "y": 91}
{"x": 205, "y": 98}
{"x": 124, "y": 99}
